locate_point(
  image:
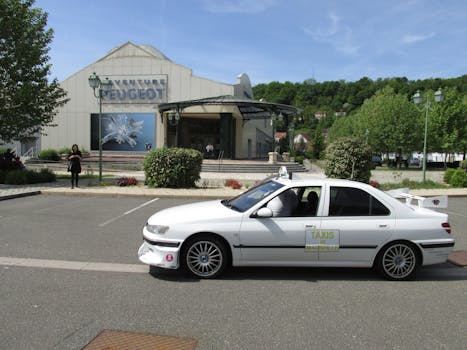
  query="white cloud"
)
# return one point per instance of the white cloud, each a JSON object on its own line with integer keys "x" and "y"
{"x": 237, "y": 6}
{"x": 337, "y": 35}
{"x": 414, "y": 38}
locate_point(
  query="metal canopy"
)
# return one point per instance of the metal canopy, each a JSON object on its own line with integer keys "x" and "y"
{"x": 249, "y": 109}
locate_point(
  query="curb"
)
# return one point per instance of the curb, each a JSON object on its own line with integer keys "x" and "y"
{"x": 122, "y": 194}
{"x": 19, "y": 195}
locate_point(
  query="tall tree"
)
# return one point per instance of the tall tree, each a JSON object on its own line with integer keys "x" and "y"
{"x": 447, "y": 125}
{"x": 388, "y": 122}
{"x": 28, "y": 101}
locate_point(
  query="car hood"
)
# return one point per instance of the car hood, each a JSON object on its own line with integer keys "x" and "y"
{"x": 200, "y": 211}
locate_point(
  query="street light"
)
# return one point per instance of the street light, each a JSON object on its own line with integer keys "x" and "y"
{"x": 296, "y": 119}
{"x": 275, "y": 117}
{"x": 418, "y": 99}
{"x": 174, "y": 119}
{"x": 102, "y": 87}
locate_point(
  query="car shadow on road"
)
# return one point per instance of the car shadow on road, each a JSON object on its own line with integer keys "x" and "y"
{"x": 442, "y": 272}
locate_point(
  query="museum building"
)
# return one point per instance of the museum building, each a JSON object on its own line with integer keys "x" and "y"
{"x": 154, "y": 102}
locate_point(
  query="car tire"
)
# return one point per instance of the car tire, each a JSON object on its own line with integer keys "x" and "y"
{"x": 204, "y": 257}
{"x": 398, "y": 261}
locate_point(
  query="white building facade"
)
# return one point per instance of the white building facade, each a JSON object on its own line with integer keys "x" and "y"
{"x": 142, "y": 80}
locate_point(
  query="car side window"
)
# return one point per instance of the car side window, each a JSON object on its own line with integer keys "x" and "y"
{"x": 308, "y": 201}
{"x": 296, "y": 202}
{"x": 284, "y": 204}
{"x": 348, "y": 201}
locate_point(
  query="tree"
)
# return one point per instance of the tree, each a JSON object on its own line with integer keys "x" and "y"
{"x": 447, "y": 123}
{"x": 28, "y": 101}
{"x": 318, "y": 143}
{"x": 390, "y": 123}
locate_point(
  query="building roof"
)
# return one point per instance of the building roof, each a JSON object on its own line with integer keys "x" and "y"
{"x": 131, "y": 49}
{"x": 249, "y": 109}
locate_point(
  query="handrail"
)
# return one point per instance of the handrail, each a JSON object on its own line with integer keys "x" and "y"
{"x": 29, "y": 153}
{"x": 219, "y": 159}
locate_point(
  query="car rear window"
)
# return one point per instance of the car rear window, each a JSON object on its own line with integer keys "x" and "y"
{"x": 348, "y": 201}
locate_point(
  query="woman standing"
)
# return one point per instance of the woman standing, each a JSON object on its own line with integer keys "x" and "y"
{"x": 74, "y": 165}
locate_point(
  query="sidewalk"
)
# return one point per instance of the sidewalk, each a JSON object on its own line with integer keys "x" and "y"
{"x": 210, "y": 186}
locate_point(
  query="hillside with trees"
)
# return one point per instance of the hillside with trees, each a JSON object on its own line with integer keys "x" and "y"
{"x": 380, "y": 111}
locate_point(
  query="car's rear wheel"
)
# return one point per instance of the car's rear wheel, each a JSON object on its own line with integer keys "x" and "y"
{"x": 398, "y": 261}
{"x": 205, "y": 257}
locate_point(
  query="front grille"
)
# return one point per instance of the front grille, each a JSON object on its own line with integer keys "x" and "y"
{"x": 162, "y": 244}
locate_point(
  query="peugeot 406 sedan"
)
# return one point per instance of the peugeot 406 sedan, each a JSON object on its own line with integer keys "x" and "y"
{"x": 301, "y": 222}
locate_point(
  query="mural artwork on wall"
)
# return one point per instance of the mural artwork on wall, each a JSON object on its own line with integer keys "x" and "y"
{"x": 124, "y": 131}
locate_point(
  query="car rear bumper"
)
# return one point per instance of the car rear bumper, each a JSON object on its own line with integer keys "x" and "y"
{"x": 435, "y": 251}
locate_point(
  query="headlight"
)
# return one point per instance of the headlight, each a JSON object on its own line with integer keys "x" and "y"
{"x": 157, "y": 229}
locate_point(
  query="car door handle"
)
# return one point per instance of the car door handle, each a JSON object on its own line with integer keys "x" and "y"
{"x": 383, "y": 225}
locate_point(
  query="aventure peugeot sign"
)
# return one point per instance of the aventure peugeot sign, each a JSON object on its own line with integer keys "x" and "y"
{"x": 139, "y": 89}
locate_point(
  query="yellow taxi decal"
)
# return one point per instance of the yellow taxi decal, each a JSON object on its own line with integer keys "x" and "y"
{"x": 321, "y": 240}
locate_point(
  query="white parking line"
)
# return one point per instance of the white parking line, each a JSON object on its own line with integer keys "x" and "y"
{"x": 127, "y": 212}
{"x": 73, "y": 265}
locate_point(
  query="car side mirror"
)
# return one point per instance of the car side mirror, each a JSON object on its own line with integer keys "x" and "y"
{"x": 264, "y": 213}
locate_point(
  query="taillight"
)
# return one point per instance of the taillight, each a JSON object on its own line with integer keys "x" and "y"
{"x": 446, "y": 227}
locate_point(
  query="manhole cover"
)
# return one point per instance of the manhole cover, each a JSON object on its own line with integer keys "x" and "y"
{"x": 458, "y": 258}
{"x": 121, "y": 340}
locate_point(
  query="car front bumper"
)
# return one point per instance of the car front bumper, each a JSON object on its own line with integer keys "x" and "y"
{"x": 152, "y": 253}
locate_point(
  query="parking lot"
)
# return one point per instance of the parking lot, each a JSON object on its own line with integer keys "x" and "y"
{"x": 69, "y": 270}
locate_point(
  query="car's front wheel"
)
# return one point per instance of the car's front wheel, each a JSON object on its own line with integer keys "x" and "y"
{"x": 205, "y": 257}
{"x": 398, "y": 261}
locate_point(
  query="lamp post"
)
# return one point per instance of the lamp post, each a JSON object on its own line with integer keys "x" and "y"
{"x": 418, "y": 99}
{"x": 173, "y": 119}
{"x": 275, "y": 117}
{"x": 102, "y": 87}
{"x": 296, "y": 119}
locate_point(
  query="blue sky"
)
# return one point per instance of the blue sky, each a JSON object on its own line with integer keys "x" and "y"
{"x": 270, "y": 40}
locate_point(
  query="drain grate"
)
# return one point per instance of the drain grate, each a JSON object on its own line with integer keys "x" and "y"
{"x": 122, "y": 340}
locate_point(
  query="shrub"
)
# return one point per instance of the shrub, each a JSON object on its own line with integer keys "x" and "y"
{"x": 2, "y": 176}
{"x": 233, "y": 183}
{"x": 126, "y": 181}
{"x": 22, "y": 177}
{"x": 49, "y": 154}
{"x": 172, "y": 167}
{"x": 299, "y": 159}
{"x": 348, "y": 158}
{"x": 459, "y": 178}
{"x": 448, "y": 174}
{"x": 463, "y": 165}
{"x": 7, "y": 165}
{"x": 64, "y": 150}
{"x": 16, "y": 177}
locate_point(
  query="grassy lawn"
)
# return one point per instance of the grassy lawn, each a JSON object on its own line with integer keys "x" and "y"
{"x": 413, "y": 185}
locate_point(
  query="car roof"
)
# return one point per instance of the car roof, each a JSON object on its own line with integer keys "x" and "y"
{"x": 306, "y": 179}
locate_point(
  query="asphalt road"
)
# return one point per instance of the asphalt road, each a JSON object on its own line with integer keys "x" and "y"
{"x": 61, "y": 305}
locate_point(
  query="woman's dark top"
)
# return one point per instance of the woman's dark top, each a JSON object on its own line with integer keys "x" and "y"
{"x": 75, "y": 163}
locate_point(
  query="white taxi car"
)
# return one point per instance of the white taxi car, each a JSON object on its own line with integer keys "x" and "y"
{"x": 301, "y": 222}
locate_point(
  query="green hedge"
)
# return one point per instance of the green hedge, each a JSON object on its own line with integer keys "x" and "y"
{"x": 22, "y": 177}
{"x": 172, "y": 167}
{"x": 49, "y": 154}
{"x": 459, "y": 178}
{"x": 456, "y": 177}
{"x": 448, "y": 174}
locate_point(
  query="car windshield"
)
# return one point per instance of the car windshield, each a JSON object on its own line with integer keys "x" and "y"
{"x": 249, "y": 198}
